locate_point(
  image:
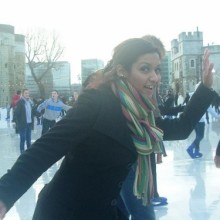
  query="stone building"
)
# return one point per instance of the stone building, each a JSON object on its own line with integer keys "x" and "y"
{"x": 186, "y": 57}
{"x": 12, "y": 63}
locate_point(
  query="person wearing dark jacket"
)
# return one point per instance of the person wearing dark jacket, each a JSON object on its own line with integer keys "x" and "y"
{"x": 24, "y": 119}
{"x": 107, "y": 131}
{"x": 36, "y": 113}
{"x": 171, "y": 111}
{"x": 14, "y": 101}
{"x": 217, "y": 156}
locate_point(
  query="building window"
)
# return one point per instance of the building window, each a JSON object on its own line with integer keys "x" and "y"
{"x": 192, "y": 63}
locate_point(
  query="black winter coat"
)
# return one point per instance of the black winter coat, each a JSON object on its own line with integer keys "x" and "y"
{"x": 98, "y": 153}
{"x": 20, "y": 115}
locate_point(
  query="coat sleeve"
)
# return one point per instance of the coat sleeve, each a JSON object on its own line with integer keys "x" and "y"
{"x": 66, "y": 135}
{"x": 180, "y": 128}
{"x": 42, "y": 106}
{"x": 18, "y": 110}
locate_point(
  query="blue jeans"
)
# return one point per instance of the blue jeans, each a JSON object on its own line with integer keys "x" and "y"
{"x": 130, "y": 204}
{"x": 25, "y": 135}
{"x": 199, "y": 129}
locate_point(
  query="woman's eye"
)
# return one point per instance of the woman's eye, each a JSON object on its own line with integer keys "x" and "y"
{"x": 145, "y": 69}
{"x": 158, "y": 71}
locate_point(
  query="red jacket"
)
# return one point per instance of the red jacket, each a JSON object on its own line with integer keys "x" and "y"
{"x": 15, "y": 99}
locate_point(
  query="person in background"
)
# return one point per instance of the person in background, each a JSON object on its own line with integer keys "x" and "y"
{"x": 109, "y": 129}
{"x": 53, "y": 107}
{"x": 186, "y": 100}
{"x": 169, "y": 101}
{"x": 194, "y": 148}
{"x": 24, "y": 119}
{"x": 38, "y": 115}
{"x": 14, "y": 101}
{"x": 71, "y": 101}
{"x": 217, "y": 156}
{"x": 169, "y": 111}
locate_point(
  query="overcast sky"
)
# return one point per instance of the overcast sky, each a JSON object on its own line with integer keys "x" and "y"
{"x": 92, "y": 28}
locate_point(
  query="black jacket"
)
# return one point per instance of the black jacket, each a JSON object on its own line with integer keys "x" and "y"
{"x": 20, "y": 115}
{"x": 99, "y": 153}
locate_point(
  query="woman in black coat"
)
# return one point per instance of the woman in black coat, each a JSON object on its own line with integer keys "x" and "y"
{"x": 107, "y": 130}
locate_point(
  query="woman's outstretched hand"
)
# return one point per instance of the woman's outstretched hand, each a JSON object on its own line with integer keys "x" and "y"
{"x": 207, "y": 77}
{"x": 3, "y": 210}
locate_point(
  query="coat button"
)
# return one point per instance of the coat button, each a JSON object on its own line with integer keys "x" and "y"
{"x": 114, "y": 202}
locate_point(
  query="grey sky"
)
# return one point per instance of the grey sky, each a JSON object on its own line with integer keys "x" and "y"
{"x": 92, "y": 28}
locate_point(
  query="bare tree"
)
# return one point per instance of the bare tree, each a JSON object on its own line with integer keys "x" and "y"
{"x": 42, "y": 48}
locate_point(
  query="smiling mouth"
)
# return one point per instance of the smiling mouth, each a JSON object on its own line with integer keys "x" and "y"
{"x": 149, "y": 87}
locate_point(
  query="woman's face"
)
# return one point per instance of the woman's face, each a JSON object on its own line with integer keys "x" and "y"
{"x": 145, "y": 74}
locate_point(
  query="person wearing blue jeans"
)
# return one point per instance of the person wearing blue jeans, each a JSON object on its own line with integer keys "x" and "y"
{"x": 128, "y": 202}
{"x": 25, "y": 136}
{"x": 194, "y": 149}
{"x": 24, "y": 119}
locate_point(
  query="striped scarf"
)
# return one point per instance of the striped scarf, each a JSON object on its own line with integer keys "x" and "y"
{"x": 138, "y": 111}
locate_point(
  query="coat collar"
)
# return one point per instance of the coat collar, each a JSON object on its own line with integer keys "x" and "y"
{"x": 111, "y": 120}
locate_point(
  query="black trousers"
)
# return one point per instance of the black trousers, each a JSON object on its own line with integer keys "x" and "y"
{"x": 47, "y": 124}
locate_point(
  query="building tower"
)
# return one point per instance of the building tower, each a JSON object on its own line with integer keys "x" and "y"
{"x": 186, "y": 58}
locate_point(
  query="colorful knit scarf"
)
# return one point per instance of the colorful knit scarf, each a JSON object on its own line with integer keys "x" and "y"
{"x": 138, "y": 111}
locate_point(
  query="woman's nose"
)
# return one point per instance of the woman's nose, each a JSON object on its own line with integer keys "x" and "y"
{"x": 154, "y": 77}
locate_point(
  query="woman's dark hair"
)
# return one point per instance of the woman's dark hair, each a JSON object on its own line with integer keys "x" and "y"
{"x": 88, "y": 80}
{"x": 130, "y": 50}
{"x": 124, "y": 54}
{"x": 127, "y": 53}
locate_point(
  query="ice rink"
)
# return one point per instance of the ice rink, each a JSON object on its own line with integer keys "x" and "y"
{"x": 191, "y": 186}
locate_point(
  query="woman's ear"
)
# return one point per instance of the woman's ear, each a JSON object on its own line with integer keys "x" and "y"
{"x": 120, "y": 71}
